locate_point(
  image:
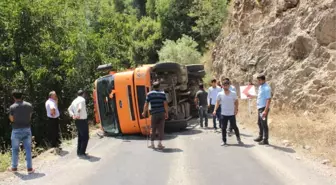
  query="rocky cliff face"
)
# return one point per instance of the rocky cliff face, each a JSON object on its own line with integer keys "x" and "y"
{"x": 292, "y": 41}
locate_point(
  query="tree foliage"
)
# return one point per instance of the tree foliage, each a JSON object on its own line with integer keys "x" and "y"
{"x": 57, "y": 45}
{"x": 183, "y": 51}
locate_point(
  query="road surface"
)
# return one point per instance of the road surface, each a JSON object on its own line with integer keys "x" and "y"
{"x": 192, "y": 157}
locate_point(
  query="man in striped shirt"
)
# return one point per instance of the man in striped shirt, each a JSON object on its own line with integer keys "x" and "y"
{"x": 159, "y": 112}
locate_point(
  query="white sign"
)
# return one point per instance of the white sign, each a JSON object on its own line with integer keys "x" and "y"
{"x": 245, "y": 90}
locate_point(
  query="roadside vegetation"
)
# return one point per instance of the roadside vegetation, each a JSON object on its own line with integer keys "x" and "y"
{"x": 57, "y": 45}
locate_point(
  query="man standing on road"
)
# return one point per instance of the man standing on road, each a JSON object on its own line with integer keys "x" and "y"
{"x": 53, "y": 121}
{"x": 263, "y": 105}
{"x": 159, "y": 112}
{"x": 20, "y": 116}
{"x": 233, "y": 89}
{"x": 77, "y": 111}
{"x": 229, "y": 102}
{"x": 202, "y": 105}
{"x": 212, "y": 95}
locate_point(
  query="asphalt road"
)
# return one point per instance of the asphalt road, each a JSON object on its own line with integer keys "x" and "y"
{"x": 192, "y": 157}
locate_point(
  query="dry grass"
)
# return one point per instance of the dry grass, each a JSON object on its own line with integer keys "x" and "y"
{"x": 318, "y": 131}
{"x": 6, "y": 158}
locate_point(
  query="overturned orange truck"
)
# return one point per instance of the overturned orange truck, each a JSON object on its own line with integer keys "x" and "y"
{"x": 119, "y": 97}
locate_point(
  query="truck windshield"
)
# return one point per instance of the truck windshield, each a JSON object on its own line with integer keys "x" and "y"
{"x": 107, "y": 105}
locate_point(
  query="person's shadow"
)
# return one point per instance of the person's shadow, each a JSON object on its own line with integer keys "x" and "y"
{"x": 27, "y": 177}
{"x": 284, "y": 149}
{"x": 91, "y": 159}
{"x": 170, "y": 150}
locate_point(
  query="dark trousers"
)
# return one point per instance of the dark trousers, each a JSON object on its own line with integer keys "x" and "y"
{"x": 232, "y": 119}
{"x": 263, "y": 126}
{"x": 157, "y": 124}
{"x": 203, "y": 114}
{"x": 217, "y": 116}
{"x": 53, "y": 132}
{"x": 83, "y": 135}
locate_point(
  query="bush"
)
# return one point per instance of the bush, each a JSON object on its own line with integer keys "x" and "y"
{"x": 183, "y": 51}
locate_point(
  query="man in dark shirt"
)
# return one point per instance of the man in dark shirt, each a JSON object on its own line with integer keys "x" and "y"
{"x": 20, "y": 116}
{"x": 159, "y": 112}
{"x": 201, "y": 101}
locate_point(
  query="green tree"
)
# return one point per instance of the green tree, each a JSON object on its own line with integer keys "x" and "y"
{"x": 210, "y": 16}
{"x": 183, "y": 51}
{"x": 146, "y": 41}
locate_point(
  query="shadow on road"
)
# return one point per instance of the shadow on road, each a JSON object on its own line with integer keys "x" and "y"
{"x": 26, "y": 177}
{"x": 92, "y": 159}
{"x": 245, "y": 135}
{"x": 242, "y": 145}
{"x": 63, "y": 153}
{"x": 170, "y": 150}
{"x": 284, "y": 149}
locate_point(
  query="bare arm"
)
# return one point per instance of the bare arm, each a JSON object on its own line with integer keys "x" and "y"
{"x": 145, "y": 108}
{"x": 166, "y": 108}
{"x": 216, "y": 106}
{"x": 236, "y": 103}
{"x": 268, "y": 103}
{"x": 11, "y": 118}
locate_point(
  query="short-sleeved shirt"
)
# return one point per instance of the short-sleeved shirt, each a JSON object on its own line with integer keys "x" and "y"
{"x": 156, "y": 100}
{"x": 232, "y": 88}
{"x": 78, "y": 103}
{"x": 202, "y": 96}
{"x": 21, "y": 111}
{"x": 51, "y": 104}
{"x": 212, "y": 94}
{"x": 227, "y": 103}
{"x": 264, "y": 93}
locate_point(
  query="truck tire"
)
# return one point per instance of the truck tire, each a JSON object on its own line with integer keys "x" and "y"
{"x": 197, "y": 74}
{"x": 171, "y": 67}
{"x": 195, "y": 67}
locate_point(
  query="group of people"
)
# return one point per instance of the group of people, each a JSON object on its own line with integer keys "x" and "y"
{"x": 222, "y": 101}
{"x": 20, "y": 113}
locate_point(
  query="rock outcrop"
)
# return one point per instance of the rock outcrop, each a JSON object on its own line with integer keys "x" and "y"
{"x": 292, "y": 41}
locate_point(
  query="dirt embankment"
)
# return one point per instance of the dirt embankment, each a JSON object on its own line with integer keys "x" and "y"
{"x": 294, "y": 43}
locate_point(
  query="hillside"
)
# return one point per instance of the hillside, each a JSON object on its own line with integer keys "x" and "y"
{"x": 293, "y": 42}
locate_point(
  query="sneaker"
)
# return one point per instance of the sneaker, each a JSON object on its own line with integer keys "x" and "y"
{"x": 84, "y": 156}
{"x": 160, "y": 147}
{"x": 10, "y": 169}
{"x": 258, "y": 139}
{"x": 223, "y": 144}
{"x": 30, "y": 170}
{"x": 240, "y": 142}
{"x": 152, "y": 146}
{"x": 264, "y": 142}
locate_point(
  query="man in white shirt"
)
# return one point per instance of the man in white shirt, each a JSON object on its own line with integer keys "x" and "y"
{"x": 229, "y": 102}
{"x": 77, "y": 111}
{"x": 233, "y": 89}
{"x": 212, "y": 96}
{"x": 53, "y": 114}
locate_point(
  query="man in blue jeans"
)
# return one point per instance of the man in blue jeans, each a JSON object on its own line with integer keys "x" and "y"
{"x": 20, "y": 116}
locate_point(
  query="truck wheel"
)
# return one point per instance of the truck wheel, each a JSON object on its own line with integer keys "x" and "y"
{"x": 171, "y": 67}
{"x": 197, "y": 74}
{"x": 195, "y": 67}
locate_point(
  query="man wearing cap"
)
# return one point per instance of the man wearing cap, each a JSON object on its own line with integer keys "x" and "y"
{"x": 229, "y": 102}
{"x": 159, "y": 112}
{"x": 20, "y": 117}
{"x": 77, "y": 111}
{"x": 263, "y": 105}
{"x": 53, "y": 124}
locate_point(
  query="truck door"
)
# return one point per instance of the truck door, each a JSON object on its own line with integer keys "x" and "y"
{"x": 126, "y": 107}
{"x": 142, "y": 85}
